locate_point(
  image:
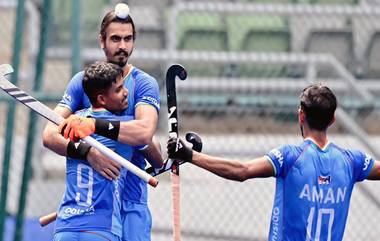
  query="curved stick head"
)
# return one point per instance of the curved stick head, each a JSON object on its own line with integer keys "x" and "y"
{"x": 5, "y": 69}
{"x": 176, "y": 70}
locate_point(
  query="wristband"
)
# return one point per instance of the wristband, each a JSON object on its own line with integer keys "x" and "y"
{"x": 78, "y": 150}
{"x": 109, "y": 129}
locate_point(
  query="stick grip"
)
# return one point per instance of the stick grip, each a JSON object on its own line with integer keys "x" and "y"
{"x": 49, "y": 218}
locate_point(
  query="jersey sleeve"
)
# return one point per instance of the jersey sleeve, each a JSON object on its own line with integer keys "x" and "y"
{"x": 362, "y": 164}
{"x": 74, "y": 94}
{"x": 147, "y": 91}
{"x": 282, "y": 159}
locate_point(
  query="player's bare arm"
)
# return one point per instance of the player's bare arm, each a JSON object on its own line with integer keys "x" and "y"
{"x": 234, "y": 169}
{"x": 152, "y": 153}
{"x": 141, "y": 130}
{"x": 135, "y": 132}
{"x": 50, "y": 136}
{"x": 54, "y": 141}
{"x": 229, "y": 169}
{"x": 375, "y": 171}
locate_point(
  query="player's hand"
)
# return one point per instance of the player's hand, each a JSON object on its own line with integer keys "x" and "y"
{"x": 178, "y": 150}
{"x": 102, "y": 164}
{"x": 76, "y": 127}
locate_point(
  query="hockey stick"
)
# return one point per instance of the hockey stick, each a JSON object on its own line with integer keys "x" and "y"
{"x": 191, "y": 137}
{"x": 45, "y": 220}
{"x": 49, "y": 114}
{"x": 174, "y": 71}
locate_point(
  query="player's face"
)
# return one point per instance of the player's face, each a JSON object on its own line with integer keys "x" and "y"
{"x": 118, "y": 44}
{"x": 116, "y": 98}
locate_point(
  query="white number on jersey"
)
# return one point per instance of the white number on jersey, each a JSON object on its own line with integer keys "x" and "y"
{"x": 321, "y": 212}
{"x": 83, "y": 186}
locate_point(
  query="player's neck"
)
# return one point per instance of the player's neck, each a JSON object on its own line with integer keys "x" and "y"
{"x": 126, "y": 69}
{"x": 98, "y": 108}
{"x": 318, "y": 137}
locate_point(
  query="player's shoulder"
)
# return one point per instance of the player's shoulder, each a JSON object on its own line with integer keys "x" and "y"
{"x": 354, "y": 155}
{"x": 287, "y": 152}
{"x": 351, "y": 153}
{"x": 139, "y": 74}
{"x": 78, "y": 77}
{"x": 294, "y": 148}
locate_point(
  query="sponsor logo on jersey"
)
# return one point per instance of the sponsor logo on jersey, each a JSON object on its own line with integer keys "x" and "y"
{"x": 66, "y": 97}
{"x": 71, "y": 211}
{"x": 324, "y": 179}
{"x": 151, "y": 100}
{"x": 275, "y": 224}
{"x": 278, "y": 156}
{"x": 367, "y": 161}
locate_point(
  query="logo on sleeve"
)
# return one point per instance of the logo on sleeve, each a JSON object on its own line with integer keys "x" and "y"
{"x": 278, "y": 156}
{"x": 367, "y": 161}
{"x": 151, "y": 100}
{"x": 66, "y": 97}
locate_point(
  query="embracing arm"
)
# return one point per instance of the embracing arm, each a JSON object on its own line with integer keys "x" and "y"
{"x": 51, "y": 138}
{"x": 134, "y": 132}
{"x": 54, "y": 141}
{"x": 153, "y": 153}
{"x": 141, "y": 130}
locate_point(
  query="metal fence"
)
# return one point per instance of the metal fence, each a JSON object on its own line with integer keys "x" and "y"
{"x": 247, "y": 63}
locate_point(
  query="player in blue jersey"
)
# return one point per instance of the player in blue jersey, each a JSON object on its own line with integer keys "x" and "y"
{"x": 91, "y": 206}
{"x": 314, "y": 179}
{"x": 116, "y": 38}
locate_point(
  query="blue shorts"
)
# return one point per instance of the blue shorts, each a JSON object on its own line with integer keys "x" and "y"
{"x": 85, "y": 236}
{"x": 136, "y": 220}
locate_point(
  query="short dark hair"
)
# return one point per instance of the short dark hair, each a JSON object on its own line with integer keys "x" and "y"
{"x": 98, "y": 78}
{"x": 111, "y": 17}
{"x": 319, "y": 104}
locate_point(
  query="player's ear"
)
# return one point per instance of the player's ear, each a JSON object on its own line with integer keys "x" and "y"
{"x": 332, "y": 121}
{"x": 301, "y": 115}
{"x": 101, "y": 99}
{"x": 101, "y": 41}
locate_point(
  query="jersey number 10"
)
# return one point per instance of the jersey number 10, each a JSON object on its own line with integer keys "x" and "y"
{"x": 321, "y": 213}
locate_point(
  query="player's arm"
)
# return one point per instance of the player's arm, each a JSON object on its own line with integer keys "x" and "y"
{"x": 54, "y": 141}
{"x": 152, "y": 153}
{"x": 234, "y": 169}
{"x": 135, "y": 132}
{"x": 229, "y": 169}
{"x": 141, "y": 130}
{"x": 375, "y": 171}
{"x": 50, "y": 136}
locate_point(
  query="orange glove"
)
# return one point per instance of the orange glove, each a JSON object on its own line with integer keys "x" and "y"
{"x": 76, "y": 127}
